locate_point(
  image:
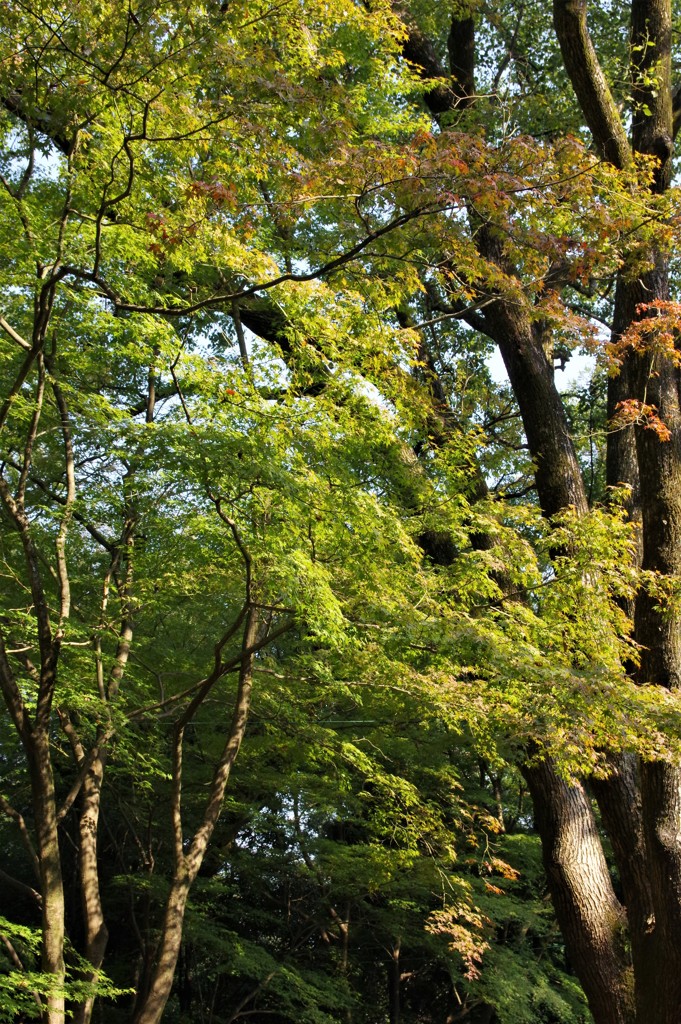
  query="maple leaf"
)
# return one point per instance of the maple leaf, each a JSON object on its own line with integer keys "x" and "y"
{"x": 632, "y": 412}
{"x": 657, "y": 332}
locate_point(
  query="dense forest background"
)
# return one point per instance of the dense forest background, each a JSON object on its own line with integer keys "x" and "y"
{"x": 340, "y": 679}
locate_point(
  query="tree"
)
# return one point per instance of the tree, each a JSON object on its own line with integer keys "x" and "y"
{"x": 639, "y": 808}
{"x": 184, "y": 505}
{"x": 100, "y": 479}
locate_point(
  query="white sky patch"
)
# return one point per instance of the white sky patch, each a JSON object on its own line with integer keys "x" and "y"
{"x": 578, "y": 369}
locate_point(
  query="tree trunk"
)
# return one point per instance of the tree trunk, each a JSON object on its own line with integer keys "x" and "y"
{"x": 620, "y": 803}
{"x": 646, "y": 834}
{"x": 187, "y": 864}
{"x": 171, "y": 942}
{"x": 659, "y": 981}
{"x": 96, "y": 932}
{"x": 591, "y": 918}
{"x": 52, "y": 888}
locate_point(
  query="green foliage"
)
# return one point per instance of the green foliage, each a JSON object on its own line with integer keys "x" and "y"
{"x": 171, "y": 176}
{"x": 24, "y": 987}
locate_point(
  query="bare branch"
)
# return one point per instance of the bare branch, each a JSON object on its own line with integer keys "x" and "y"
{"x": 21, "y": 887}
{"x": 21, "y": 825}
{"x": 14, "y": 335}
{"x": 72, "y": 735}
{"x": 238, "y": 540}
{"x": 32, "y": 432}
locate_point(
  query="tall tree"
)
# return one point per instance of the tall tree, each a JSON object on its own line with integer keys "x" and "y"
{"x": 639, "y": 808}
{"x": 106, "y": 374}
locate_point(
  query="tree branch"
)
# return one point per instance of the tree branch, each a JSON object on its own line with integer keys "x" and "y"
{"x": 589, "y": 82}
{"x": 21, "y": 825}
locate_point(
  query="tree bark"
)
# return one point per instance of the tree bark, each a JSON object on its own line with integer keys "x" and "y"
{"x": 620, "y": 803}
{"x": 589, "y": 82}
{"x": 96, "y": 932}
{"x": 51, "y": 882}
{"x": 591, "y": 918}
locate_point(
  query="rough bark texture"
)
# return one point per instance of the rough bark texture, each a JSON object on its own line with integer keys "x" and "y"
{"x": 652, "y": 130}
{"x": 659, "y": 980}
{"x": 152, "y": 1009}
{"x": 619, "y": 800}
{"x": 591, "y": 918}
{"x": 581, "y": 63}
{"x": 557, "y": 473}
{"x": 96, "y": 932}
{"x": 646, "y": 830}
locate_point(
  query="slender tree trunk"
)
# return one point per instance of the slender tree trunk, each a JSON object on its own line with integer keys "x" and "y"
{"x": 171, "y": 943}
{"x": 52, "y": 887}
{"x": 187, "y": 864}
{"x": 96, "y": 932}
{"x": 394, "y": 1002}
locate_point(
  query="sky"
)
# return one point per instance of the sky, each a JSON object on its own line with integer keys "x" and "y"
{"x": 578, "y": 366}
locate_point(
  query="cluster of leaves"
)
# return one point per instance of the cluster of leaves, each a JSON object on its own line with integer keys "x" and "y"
{"x": 23, "y": 986}
{"x": 354, "y": 843}
{"x": 654, "y": 333}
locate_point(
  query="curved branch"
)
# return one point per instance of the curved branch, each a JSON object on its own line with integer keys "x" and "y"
{"x": 226, "y": 298}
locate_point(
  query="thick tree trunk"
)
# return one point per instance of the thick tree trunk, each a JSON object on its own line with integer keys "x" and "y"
{"x": 593, "y": 921}
{"x": 620, "y": 803}
{"x": 648, "y": 845}
{"x": 658, "y": 631}
{"x": 659, "y": 981}
{"x": 591, "y": 918}
{"x": 590, "y": 85}
{"x": 558, "y": 476}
